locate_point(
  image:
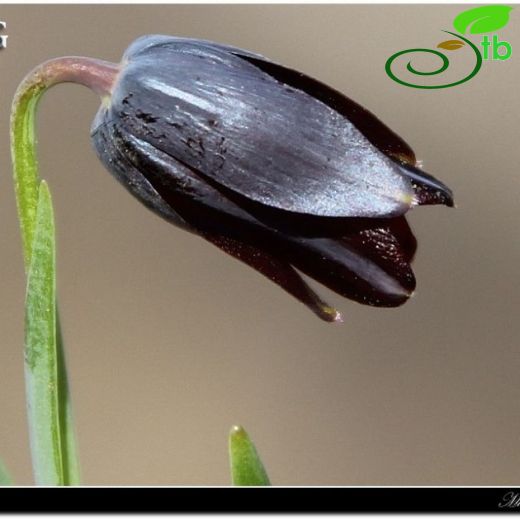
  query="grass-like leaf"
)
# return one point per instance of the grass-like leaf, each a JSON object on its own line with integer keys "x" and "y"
{"x": 50, "y": 419}
{"x": 5, "y": 479}
{"x": 246, "y": 467}
{"x": 70, "y": 461}
{"x": 41, "y": 360}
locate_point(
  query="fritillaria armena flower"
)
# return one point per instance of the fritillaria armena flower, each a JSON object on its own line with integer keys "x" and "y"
{"x": 271, "y": 166}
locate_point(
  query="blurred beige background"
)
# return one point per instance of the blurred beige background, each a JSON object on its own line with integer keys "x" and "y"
{"x": 169, "y": 341}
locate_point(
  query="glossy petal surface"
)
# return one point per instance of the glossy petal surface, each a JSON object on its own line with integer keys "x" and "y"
{"x": 241, "y": 127}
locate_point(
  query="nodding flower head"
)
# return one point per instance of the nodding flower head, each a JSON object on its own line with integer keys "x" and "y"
{"x": 270, "y": 165}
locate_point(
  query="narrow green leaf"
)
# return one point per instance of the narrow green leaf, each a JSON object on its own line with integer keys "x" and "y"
{"x": 27, "y": 188}
{"x": 246, "y": 467}
{"x": 41, "y": 363}
{"x": 71, "y": 468}
{"x": 5, "y": 479}
{"x": 483, "y": 19}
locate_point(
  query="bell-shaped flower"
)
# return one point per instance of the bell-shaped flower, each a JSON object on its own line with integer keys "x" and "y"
{"x": 270, "y": 165}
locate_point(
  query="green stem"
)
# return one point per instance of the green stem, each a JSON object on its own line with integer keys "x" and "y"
{"x": 52, "y": 437}
{"x": 95, "y": 74}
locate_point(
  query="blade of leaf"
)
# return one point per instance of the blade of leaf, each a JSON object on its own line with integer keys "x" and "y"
{"x": 27, "y": 181}
{"x": 246, "y": 467}
{"x": 5, "y": 479}
{"x": 71, "y": 468}
{"x": 41, "y": 359}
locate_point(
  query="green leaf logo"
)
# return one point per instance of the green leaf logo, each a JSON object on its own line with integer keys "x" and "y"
{"x": 487, "y": 18}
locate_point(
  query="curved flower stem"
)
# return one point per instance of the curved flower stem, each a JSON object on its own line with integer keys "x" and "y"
{"x": 48, "y": 402}
{"x": 95, "y": 74}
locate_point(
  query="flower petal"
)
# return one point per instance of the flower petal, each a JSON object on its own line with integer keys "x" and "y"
{"x": 277, "y": 271}
{"x": 117, "y": 158}
{"x": 217, "y": 113}
{"x": 382, "y": 137}
{"x": 362, "y": 259}
{"x": 369, "y": 265}
{"x": 427, "y": 189}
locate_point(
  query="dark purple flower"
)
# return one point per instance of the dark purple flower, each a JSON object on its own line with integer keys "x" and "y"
{"x": 274, "y": 167}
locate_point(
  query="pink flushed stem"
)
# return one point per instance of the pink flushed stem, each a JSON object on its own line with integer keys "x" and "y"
{"x": 98, "y": 75}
